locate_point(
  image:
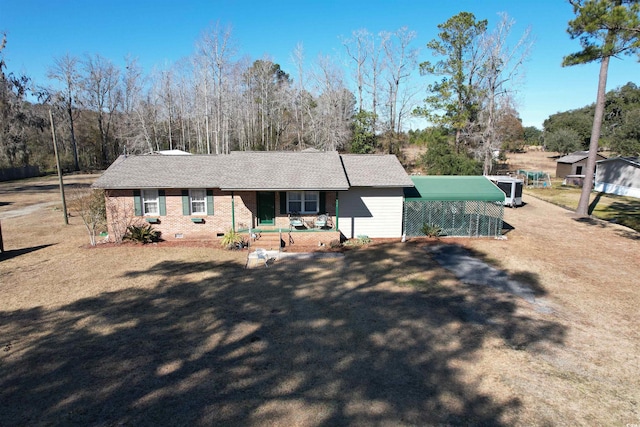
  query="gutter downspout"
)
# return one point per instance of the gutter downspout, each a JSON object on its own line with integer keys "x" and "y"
{"x": 233, "y": 213}
{"x": 337, "y": 213}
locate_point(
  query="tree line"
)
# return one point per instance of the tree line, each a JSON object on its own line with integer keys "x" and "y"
{"x": 570, "y": 131}
{"x": 211, "y": 102}
{"x": 216, "y": 101}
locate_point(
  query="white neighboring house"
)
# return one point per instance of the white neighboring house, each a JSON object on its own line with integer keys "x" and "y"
{"x": 618, "y": 175}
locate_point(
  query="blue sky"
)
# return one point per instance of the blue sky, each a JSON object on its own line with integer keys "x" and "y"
{"x": 161, "y": 32}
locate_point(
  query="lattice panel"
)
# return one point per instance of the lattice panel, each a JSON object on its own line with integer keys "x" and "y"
{"x": 455, "y": 218}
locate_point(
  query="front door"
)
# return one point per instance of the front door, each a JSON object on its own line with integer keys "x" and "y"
{"x": 266, "y": 207}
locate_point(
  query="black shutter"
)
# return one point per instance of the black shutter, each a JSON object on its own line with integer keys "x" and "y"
{"x": 137, "y": 203}
{"x": 209, "y": 202}
{"x": 162, "y": 202}
{"x": 186, "y": 209}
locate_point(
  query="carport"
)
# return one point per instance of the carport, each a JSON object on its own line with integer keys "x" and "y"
{"x": 463, "y": 206}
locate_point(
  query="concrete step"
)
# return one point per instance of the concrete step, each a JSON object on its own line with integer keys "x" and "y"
{"x": 269, "y": 241}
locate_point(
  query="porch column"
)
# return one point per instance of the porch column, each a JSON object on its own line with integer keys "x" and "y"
{"x": 337, "y": 213}
{"x": 233, "y": 213}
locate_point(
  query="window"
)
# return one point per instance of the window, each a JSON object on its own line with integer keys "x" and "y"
{"x": 311, "y": 202}
{"x": 150, "y": 202}
{"x": 198, "y": 202}
{"x": 303, "y": 201}
{"x": 295, "y": 202}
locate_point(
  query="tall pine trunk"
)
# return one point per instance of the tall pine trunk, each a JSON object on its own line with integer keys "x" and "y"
{"x": 587, "y": 186}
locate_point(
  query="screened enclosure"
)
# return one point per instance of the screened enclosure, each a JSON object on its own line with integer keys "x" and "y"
{"x": 461, "y": 206}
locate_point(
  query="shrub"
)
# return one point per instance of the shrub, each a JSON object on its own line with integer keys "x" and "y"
{"x": 359, "y": 241}
{"x": 364, "y": 240}
{"x": 232, "y": 240}
{"x": 90, "y": 206}
{"x": 142, "y": 234}
{"x": 431, "y": 230}
{"x": 335, "y": 243}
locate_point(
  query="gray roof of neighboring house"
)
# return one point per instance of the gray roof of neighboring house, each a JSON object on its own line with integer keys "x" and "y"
{"x": 575, "y": 157}
{"x": 635, "y": 161}
{"x": 375, "y": 170}
{"x": 273, "y": 170}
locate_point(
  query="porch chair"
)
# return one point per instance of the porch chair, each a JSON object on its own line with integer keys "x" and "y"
{"x": 295, "y": 221}
{"x": 322, "y": 221}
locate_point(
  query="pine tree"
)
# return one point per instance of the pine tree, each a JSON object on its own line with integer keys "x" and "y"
{"x": 605, "y": 28}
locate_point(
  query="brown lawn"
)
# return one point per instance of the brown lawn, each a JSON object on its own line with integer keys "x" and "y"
{"x": 544, "y": 161}
{"x": 134, "y": 335}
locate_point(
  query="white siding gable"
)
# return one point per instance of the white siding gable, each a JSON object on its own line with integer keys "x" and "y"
{"x": 373, "y": 212}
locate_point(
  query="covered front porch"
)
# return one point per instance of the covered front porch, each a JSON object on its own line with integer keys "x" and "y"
{"x": 282, "y": 219}
{"x": 290, "y": 239}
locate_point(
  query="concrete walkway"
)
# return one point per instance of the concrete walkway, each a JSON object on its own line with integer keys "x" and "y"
{"x": 471, "y": 270}
{"x": 260, "y": 257}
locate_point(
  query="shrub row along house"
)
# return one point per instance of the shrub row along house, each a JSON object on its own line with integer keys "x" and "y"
{"x": 316, "y": 195}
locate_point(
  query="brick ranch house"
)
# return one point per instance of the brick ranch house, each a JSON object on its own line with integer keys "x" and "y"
{"x": 200, "y": 197}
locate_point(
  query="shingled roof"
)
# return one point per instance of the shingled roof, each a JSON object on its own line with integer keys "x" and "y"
{"x": 576, "y": 157}
{"x": 272, "y": 171}
{"x": 375, "y": 170}
{"x": 635, "y": 161}
{"x": 284, "y": 170}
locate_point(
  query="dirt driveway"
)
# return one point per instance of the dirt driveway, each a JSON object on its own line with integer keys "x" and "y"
{"x": 384, "y": 336}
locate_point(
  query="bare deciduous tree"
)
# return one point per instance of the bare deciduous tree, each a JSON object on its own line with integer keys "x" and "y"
{"x": 134, "y": 129}
{"x": 359, "y": 48}
{"x": 216, "y": 47}
{"x": 300, "y": 97}
{"x": 121, "y": 215}
{"x": 335, "y": 106}
{"x": 65, "y": 70}
{"x": 399, "y": 62}
{"x": 89, "y": 205}
{"x": 102, "y": 95}
{"x": 499, "y": 74}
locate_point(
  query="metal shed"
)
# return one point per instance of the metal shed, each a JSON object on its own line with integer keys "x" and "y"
{"x": 464, "y": 206}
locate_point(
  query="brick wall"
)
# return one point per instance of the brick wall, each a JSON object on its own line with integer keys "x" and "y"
{"x": 120, "y": 214}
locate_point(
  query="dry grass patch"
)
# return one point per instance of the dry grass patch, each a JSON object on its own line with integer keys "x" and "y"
{"x": 618, "y": 209}
{"x": 144, "y": 334}
{"x": 609, "y": 207}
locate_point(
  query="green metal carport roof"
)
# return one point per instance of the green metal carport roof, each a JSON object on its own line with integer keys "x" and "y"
{"x": 447, "y": 187}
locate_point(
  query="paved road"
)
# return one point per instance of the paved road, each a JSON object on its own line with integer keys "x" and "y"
{"x": 13, "y": 213}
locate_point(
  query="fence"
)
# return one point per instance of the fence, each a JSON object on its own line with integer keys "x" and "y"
{"x": 10, "y": 174}
{"x": 454, "y": 218}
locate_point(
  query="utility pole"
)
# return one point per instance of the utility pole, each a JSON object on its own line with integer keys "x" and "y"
{"x": 55, "y": 150}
